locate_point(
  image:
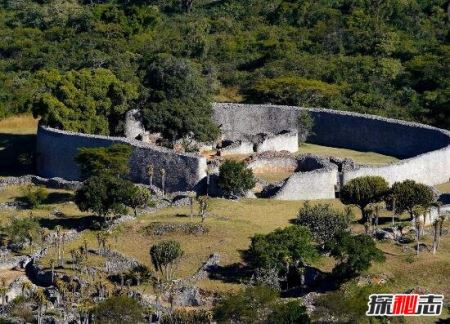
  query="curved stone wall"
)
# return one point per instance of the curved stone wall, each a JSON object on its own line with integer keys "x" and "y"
{"x": 425, "y": 149}
{"x": 56, "y": 150}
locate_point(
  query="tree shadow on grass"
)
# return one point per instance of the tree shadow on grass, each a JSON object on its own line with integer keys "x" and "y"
{"x": 58, "y": 198}
{"x": 17, "y": 154}
{"x": 232, "y": 273}
{"x": 77, "y": 223}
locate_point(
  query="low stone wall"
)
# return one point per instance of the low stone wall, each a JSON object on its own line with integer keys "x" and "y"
{"x": 285, "y": 141}
{"x": 425, "y": 149}
{"x": 317, "y": 184}
{"x": 237, "y": 148}
{"x": 56, "y": 150}
{"x": 53, "y": 183}
{"x": 430, "y": 168}
{"x": 275, "y": 164}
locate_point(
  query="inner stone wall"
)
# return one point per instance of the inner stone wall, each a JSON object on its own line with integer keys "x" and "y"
{"x": 334, "y": 128}
{"x": 425, "y": 149}
{"x": 56, "y": 150}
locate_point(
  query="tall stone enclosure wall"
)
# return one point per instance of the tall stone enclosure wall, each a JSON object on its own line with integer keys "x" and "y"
{"x": 425, "y": 149}
{"x": 56, "y": 150}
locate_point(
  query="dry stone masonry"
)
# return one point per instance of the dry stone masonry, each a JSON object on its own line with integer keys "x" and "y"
{"x": 424, "y": 150}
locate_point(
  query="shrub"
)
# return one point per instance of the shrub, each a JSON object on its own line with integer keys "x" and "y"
{"x": 289, "y": 313}
{"x": 235, "y": 179}
{"x": 281, "y": 248}
{"x": 323, "y": 221}
{"x": 164, "y": 256}
{"x": 408, "y": 195}
{"x": 23, "y": 231}
{"x": 127, "y": 309}
{"x": 35, "y": 196}
{"x": 363, "y": 191}
{"x": 248, "y": 306}
{"x": 354, "y": 253}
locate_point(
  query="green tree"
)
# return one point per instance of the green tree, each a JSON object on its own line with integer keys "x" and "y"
{"x": 138, "y": 197}
{"x": 354, "y": 254}
{"x": 90, "y": 101}
{"x": 363, "y": 191}
{"x": 178, "y": 102}
{"x": 123, "y": 308}
{"x": 96, "y": 160}
{"x": 281, "y": 249}
{"x": 248, "y": 306}
{"x": 294, "y": 90}
{"x": 289, "y": 313}
{"x": 104, "y": 195}
{"x": 235, "y": 178}
{"x": 323, "y": 221}
{"x": 408, "y": 194}
{"x": 22, "y": 231}
{"x": 164, "y": 256}
{"x": 35, "y": 196}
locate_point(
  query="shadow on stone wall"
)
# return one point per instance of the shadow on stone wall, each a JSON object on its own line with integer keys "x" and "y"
{"x": 17, "y": 154}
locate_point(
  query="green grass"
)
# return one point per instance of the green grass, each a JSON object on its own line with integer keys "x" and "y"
{"x": 17, "y": 145}
{"x": 357, "y": 156}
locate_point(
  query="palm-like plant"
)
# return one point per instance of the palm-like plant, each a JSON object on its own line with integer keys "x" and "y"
{"x": 3, "y": 291}
{"x": 163, "y": 180}
{"x": 150, "y": 172}
{"x": 41, "y": 301}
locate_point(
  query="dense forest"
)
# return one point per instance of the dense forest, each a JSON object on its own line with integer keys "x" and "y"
{"x": 389, "y": 57}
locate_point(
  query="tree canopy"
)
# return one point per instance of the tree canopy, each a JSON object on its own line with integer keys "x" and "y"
{"x": 288, "y": 245}
{"x": 235, "y": 178}
{"x": 323, "y": 221}
{"x": 112, "y": 160}
{"x": 406, "y": 195}
{"x": 122, "y": 307}
{"x": 355, "y": 253}
{"x": 387, "y": 57}
{"x": 90, "y": 101}
{"x": 178, "y": 101}
{"x": 363, "y": 191}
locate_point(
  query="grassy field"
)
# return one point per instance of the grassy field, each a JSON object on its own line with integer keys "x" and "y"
{"x": 231, "y": 224}
{"x": 17, "y": 145}
{"x": 357, "y": 156}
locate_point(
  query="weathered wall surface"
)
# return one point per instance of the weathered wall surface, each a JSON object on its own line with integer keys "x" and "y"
{"x": 56, "y": 150}
{"x": 276, "y": 164}
{"x": 317, "y": 184}
{"x": 425, "y": 148}
{"x": 334, "y": 128}
{"x": 429, "y": 168}
{"x": 133, "y": 124}
{"x": 287, "y": 141}
{"x": 238, "y": 121}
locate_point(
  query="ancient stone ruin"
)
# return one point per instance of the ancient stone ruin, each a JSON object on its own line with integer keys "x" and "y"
{"x": 248, "y": 129}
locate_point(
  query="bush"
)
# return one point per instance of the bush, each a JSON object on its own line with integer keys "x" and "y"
{"x": 248, "y": 306}
{"x": 35, "y": 196}
{"x": 164, "y": 256}
{"x": 23, "y": 231}
{"x": 235, "y": 179}
{"x": 408, "y": 195}
{"x": 363, "y": 191}
{"x": 354, "y": 254}
{"x": 187, "y": 317}
{"x": 289, "y": 313}
{"x": 281, "y": 249}
{"x": 127, "y": 309}
{"x": 323, "y": 221}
